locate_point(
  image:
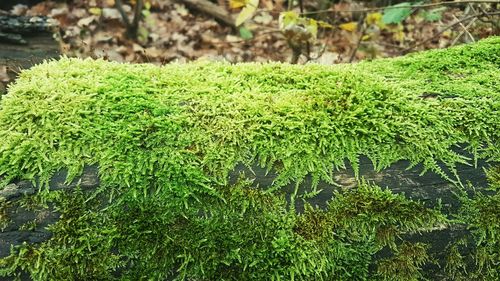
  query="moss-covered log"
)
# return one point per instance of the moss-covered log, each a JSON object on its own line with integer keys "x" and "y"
{"x": 139, "y": 171}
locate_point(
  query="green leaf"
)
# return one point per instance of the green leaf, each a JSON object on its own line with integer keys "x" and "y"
{"x": 396, "y": 13}
{"x": 247, "y": 12}
{"x": 434, "y": 14}
{"x": 245, "y": 33}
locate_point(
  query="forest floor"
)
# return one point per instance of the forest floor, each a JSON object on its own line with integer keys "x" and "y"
{"x": 171, "y": 31}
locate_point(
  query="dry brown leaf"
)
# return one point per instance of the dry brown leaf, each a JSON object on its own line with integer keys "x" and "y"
{"x": 19, "y": 10}
{"x": 137, "y": 48}
{"x": 86, "y": 21}
{"x": 111, "y": 13}
{"x": 263, "y": 18}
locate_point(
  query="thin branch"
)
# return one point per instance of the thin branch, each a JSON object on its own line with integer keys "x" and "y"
{"x": 449, "y": 27}
{"x": 308, "y": 46}
{"x": 399, "y": 7}
{"x": 465, "y": 28}
{"x": 358, "y": 44}
{"x": 137, "y": 14}
{"x": 468, "y": 9}
{"x": 463, "y": 31}
{"x": 119, "y": 7}
{"x": 133, "y": 26}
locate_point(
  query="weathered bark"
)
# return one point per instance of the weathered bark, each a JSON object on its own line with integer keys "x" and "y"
{"x": 429, "y": 188}
{"x": 26, "y": 41}
{"x": 8, "y": 4}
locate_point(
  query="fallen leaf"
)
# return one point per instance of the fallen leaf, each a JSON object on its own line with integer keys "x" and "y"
{"x": 58, "y": 11}
{"x": 154, "y": 37}
{"x": 287, "y": 19}
{"x": 235, "y": 4}
{"x": 232, "y": 39}
{"x": 181, "y": 10}
{"x": 268, "y": 4}
{"x": 374, "y": 18}
{"x": 153, "y": 52}
{"x": 113, "y": 55}
{"x": 122, "y": 50}
{"x": 245, "y": 33}
{"x": 137, "y": 48}
{"x": 72, "y": 31}
{"x": 263, "y": 18}
{"x": 178, "y": 37}
{"x": 350, "y": 26}
{"x": 103, "y": 37}
{"x": 95, "y": 11}
{"x": 247, "y": 12}
{"x": 86, "y": 21}
{"x": 111, "y": 13}
{"x": 328, "y": 58}
{"x": 19, "y": 10}
{"x": 78, "y": 13}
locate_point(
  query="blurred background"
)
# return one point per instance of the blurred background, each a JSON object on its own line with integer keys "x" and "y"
{"x": 296, "y": 31}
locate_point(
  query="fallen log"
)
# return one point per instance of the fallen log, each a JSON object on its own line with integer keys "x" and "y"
{"x": 214, "y": 171}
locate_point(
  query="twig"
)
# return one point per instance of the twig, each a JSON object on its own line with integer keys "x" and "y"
{"x": 137, "y": 16}
{"x": 308, "y": 46}
{"x": 399, "y": 7}
{"x": 447, "y": 28}
{"x": 320, "y": 53}
{"x": 463, "y": 31}
{"x": 465, "y": 28}
{"x": 132, "y": 27}
{"x": 363, "y": 29}
{"x": 119, "y": 7}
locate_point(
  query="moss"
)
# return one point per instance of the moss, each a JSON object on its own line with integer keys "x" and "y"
{"x": 406, "y": 264}
{"x": 193, "y": 123}
{"x": 166, "y": 138}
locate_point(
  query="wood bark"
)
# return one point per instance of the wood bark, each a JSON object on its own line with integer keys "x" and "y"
{"x": 24, "y": 42}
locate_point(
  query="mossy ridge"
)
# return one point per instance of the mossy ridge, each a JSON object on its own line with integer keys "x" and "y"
{"x": 201, "y": 119}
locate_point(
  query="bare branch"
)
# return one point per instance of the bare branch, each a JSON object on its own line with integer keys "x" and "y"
{"x": 449, "y": 27}
{"x": 465, "y": 28}
{"x": 451, "y": 3}
{"x": 119, "y": 7}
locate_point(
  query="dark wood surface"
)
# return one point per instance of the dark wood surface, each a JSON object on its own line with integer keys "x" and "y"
{"x": 36, "y": 41}
{"x": 429, "y": 188}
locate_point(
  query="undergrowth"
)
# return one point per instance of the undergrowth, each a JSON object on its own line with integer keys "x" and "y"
{"x": 165, "y": 139}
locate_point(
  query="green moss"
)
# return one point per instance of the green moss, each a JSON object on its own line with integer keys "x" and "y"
{"x": 166, "y": 138}
{"x": 193, "y": 123}
{"x": 406, "y": 264}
